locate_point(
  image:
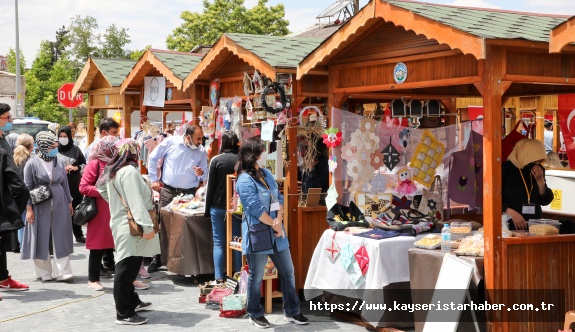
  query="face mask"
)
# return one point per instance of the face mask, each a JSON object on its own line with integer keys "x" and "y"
{"x": 190, "y": 145}
{"x": 6, "y": 127}
{"x": 116, "y": 138}
{"x": 262, "y": 161}
{"x": 52, "y": 153}
{"x": 63, "y": 140}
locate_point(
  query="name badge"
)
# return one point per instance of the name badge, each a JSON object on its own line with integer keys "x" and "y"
{"x": 528, "y": 209}
{"x": 275, "y": 206}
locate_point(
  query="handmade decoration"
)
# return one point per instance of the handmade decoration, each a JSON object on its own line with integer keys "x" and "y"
{"x": 362, "y": 258}
{"x": 465, "y": 184}
{"x": 351, "y": 266}
{"x": 378, "y": 184}
{"x": 361, "y": 153}
{"x": 332, "y": 162}
{"x": 274, "y": 88}
{"x": 390, "y": 156}
{"x": 400, "y": 203}
{"x": 248, "y": 85}
{"x": 432, "y": 201}
{"x": 373, "y": 205}
{"x": 311, "y": 116}
{"x": 332, "y": 137}
{"x": 341, "y": 217}
{"x": 208, "y": 120}
{"x": 426, "y": 159}
{"x": 258, "y": 83}
{"x": 331, "y": 198}
{"x": 332, "y": 249}
{"x": 285, "y": 80}
{"x": 406, "y": 186}
{"x": 249, "y": 110}
{"x": 215, "y": 91}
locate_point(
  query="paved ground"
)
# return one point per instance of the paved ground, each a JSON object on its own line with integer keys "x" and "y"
{"x": 58, "y": 306}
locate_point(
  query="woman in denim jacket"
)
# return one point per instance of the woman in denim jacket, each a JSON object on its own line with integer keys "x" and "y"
{"x": 263, "y": 204}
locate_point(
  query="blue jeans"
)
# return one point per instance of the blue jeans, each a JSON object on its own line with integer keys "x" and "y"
{"x": 283, "y": 263}
{"x": 21, "y": 230}
{"x": 219, "y": 233}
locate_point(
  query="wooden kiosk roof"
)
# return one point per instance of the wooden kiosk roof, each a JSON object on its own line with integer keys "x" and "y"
{"x": 456, "y": 52}
{"x": 175, "y": 66}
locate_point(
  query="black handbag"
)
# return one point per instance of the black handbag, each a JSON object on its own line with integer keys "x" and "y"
{"x": 260, "y": 237}
{"x": 85, "y": 211}
{"x": 43, "y": 192}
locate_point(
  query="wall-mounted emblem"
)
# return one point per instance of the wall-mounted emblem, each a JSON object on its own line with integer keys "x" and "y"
{"x": 400, "y": 73}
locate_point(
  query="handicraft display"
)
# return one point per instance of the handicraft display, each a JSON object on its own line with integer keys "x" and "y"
{"x": 274, "y": 107}
{"x": 248, "y": 85}
{"x": 426, "y": 158}
{"x": 332, "y": 137}
{"x": 361, "y": 153}
{"x": 373, "y": 205}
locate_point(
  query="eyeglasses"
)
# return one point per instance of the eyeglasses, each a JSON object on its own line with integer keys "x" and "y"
{"x": 8, "y": 118}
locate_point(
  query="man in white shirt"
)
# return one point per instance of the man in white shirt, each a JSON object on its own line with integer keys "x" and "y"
{"x": 548, "y": 137}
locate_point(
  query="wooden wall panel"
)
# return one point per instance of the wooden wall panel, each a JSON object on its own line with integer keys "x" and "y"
{"x": 179, "y": 95}
{"x": 314, "y": 84}
{"x": 465, "y": 102}
{"x": 233, "y": 65}
{"x": 420, "y": 70}
{"x": 231, "y": 89}
{"x": 99, "y": 82}
{"x": 114, "y": 101}
{"x": 520, "y": 62}
{"x": 304, "y": 236}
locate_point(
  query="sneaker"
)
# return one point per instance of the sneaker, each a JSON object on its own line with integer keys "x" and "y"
{"x": 105, "y": 273}
{"x": 260, "y": 322}
{"x": 12, "y": 285}
{"x": 153, "y": 267}
{"x": 143, "y": 273}
{"x": 81, "y": 239}
{"x": 96, "y": 286}
{"x": 134, "y": 320}
{"x": 299, "y": 319}
{"x": 143, "y": 306}
{"x": 65, "y": 277}
{"x": 47, "y": 278}
{"x": 140, "y": 285}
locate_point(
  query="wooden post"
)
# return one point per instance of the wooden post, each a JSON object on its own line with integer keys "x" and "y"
{"x": 90, "y": 126}
{"x": 143, "y": 118}
{"x": 540, "y": 119}
{"x": 492, "y": 205}
{"x": 127, "y": 115}
{"x": 290, "y": 185}
{"x": 196, "y": 108}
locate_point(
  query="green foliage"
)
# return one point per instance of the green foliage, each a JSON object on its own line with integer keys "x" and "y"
{"x": 11, "y": 59}
{"x": 82, "y": 40}
{"x": 60, "y": 44}
{"x": 137, "y": 54}
{"x": 114, "y": 41}
{"x": 221, "y": 16}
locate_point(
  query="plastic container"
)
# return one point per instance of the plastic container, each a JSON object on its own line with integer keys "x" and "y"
{"x": 446, "y": 238}
{"x": 550, "y": 222}
{"x": 460, "y": 229}
{"x": 430, "y": 241}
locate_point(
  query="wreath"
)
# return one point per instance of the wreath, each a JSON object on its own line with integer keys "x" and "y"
{"x": 283, "y": 100}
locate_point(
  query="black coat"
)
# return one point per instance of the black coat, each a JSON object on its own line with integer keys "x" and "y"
{"x": 14, "y": 194}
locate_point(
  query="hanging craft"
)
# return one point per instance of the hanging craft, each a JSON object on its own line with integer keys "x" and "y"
{"x": 278, "y": 107}
{"x": 362, "y": 154}
{"x": 311, "y": 116}
{"x": 332, "y": 249}
{"x": 331, "y": 198}
{"x": 377, "y": 185}
{"x": 351, "y": 266}
{"x": 362, "y": 258}
{"x": 332, "y": 137}
{"x": 426, "y": 158}
{"x": 248, "y": 85}
{"x": 249, "y": 110}
{"x": 215, "y": 91}
{"x": 406, "y": 186}
{"x": 390, "y": 156}
{"x": 332, "y": 162}
{"x": 286, "y": 81}
{"x": 373, "y": 205}
{"x": 258, "y": 83}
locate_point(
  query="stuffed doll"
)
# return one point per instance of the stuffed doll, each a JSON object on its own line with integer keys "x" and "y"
{"x": 405, "y": 186}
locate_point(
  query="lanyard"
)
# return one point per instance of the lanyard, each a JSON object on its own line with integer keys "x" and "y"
{"x": 266, "y": 184}
{"x": 525, "y": 183}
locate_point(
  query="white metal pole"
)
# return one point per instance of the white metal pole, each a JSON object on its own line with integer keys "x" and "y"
{"x": 18, "y": 103}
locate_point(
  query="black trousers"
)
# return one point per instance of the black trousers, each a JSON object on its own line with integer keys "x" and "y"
{"x": 125, "y": 294}
{"x": 94, "y": 264}
{"x": 3, "y": 260}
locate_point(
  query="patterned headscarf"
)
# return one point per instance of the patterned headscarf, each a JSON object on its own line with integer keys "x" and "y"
{"x": 128, "y": 154}
{"x": 45, "y": 140}
{"x": 11, "y": 139}
{"x": 54, "y": 127}
{"x": 104, "y": 150}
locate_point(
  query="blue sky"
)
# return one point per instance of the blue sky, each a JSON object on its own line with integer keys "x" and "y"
{"x": 150, "y": 21}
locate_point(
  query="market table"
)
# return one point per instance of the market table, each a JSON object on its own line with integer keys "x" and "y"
{"x": 424, "y": 266}
{"x": 386, "y": 278}
{"x": 187, "y": 242}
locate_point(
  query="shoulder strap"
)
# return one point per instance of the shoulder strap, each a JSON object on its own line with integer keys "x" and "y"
{"x": 123, "y": 202}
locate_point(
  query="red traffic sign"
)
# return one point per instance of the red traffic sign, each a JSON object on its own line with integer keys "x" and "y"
{"x": 65, "y": 96}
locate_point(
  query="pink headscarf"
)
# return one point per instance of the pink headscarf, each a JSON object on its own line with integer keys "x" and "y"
{"x": 104, "y": 150}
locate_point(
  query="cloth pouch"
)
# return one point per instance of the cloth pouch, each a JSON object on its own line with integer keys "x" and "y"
{"x": 340, "y": 217}
{"x": 260, "y": 237}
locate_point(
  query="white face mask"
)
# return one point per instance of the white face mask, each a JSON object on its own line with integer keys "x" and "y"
{"x": 191, "y": 145}
{"x": 63, "y": 140}
{"x": 262, "y": 160}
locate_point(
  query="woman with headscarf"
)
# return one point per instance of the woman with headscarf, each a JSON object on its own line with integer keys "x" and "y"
{"x": 99, "y": 237}
{"x": 23, "y": 153}
{"x": 119, "y": 184}
{"x": 524, "y": 189}
{"x": 49, "y": 221}
{"x": 74, "y": 160}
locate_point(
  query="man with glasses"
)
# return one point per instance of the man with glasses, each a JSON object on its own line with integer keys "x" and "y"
{"x": 13, "y": 199}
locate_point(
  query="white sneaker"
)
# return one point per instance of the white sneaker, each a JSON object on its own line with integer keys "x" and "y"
{"x": 96, "y": 286}
{"x": 140, "y": 285}
{"x": 65, "y": 277}
{"x": 47, "y": 278}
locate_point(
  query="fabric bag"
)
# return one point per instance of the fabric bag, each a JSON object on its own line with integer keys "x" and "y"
{"x": 135, "y": 228}
{"x": 43, "y": 192}
{"x": 340, "y": 217}
{"x": 432, "y": 201}
{"x": 509, "y": 141}
{"x": 260, "y": 237}
{"x": 465, "y": 181}
{"x": 85, "y": 211}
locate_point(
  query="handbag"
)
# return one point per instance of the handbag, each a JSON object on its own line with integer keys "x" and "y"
{"x": 260, "y": 237}
{"x": 135, "y": 228}
{"x": 43, "y": 192}
{"x": 85, "y": 211}
{"x": 432, "y": 201}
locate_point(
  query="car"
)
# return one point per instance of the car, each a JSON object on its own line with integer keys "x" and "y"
{"x": 28, "y": 125}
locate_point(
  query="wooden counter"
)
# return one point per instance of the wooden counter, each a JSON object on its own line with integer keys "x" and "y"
{"x": 540, "y": 262}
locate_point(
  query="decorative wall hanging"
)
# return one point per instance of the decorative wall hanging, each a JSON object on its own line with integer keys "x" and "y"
{"x": 332, "y": 137}
{"x": 400, "y": 73}
{"x": 373, "y": 205}
{"x": 377, "y": 185}
{"x": 405, "y": 186}
{"x": 360, "y": 152}
{"x": 258, "y": 83}
{"x": 426, "y": 158}
{"x": 311, "y": 116}
{"x": 249, "y": 110}
{"x": 274, "y": 88}
{"x": 331, "y": 198}
{"x": 465, "y": 184}
{"x": 332, "y": 248}
{"x": 215, "y": 91}
{"x": 285, "y": 80}
{"x": 332, "y": 162}
{"x": 390, "y": 156}
{"x": 248, "y": 85}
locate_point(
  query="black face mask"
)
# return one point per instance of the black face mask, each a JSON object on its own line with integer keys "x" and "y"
{"x": 528, "y": 167}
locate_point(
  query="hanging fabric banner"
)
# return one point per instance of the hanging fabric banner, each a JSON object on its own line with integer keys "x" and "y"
{"x": 154, "y": 91}
{"x": 566, "y": 107}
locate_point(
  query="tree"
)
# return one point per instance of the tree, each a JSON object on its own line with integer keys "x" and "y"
{"x": 226, "y": 16}
{"x": 11, "y": 59}
{"x": 60, "y": 44}
{"x": 115, "y": 39}
{"x": 83, "y": 41}
{"x": 137, "y": 54}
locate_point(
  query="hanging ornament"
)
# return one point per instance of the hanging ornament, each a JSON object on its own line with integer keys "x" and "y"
{"x": 362, "y": 258}
{"x": 332, "y": 249}
{"x": 332, "y": 137}
{"x": 278, "y": 107}
{"x": 215, "y": 91}
{"x": 332, "y": 162}
{"x": 390, "y": 156}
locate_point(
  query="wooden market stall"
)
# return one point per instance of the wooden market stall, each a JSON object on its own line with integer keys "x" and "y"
{"x": 499, "y": 55}
{"x": 101, "y": 80}
{"x": 235, "y": 54}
